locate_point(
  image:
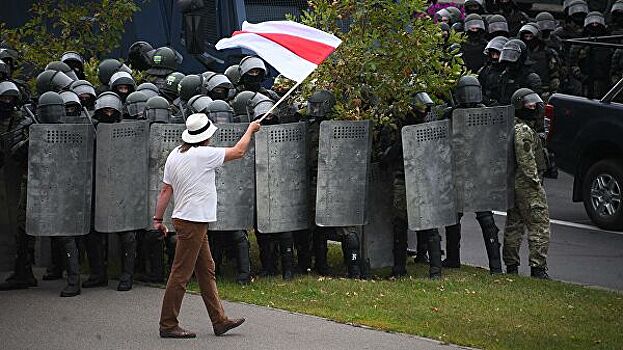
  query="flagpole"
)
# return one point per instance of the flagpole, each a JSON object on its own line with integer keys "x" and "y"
{"x": 280, "y": 100}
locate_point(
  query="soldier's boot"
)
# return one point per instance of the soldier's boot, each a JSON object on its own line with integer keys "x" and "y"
{"x": 302, "y": 245}
{"x": 22, "y": 276}
{"x": 453, "y": 247}
{"x": 266, "y": 255}
{"x": 286, "y": 250}
{"x": 57, "y": 261}
{"x": 321, "y": 249}
{"x": 72, "y": 260}
{"x": 434, "y": 253}
{"x": 353, "y": 253}
{"x": 153, "y": 251}
{"x": 421, "y": 250}
{"x": 539, "y": 273}
{"x": 128, "y": 256}
{"x": 512, "y": 269}
{"x": 96, "y": 254}
{"x": 399, "y": 268}
{"x": 243, "y": 262}
{"x": 492, "y": 242}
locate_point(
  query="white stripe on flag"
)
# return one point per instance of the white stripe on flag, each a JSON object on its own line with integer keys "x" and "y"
{"x": 285, "y": 61}
{"x": 293, "y": 28}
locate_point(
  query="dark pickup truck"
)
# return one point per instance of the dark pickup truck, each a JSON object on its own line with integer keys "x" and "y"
{"x": 587, "y": 138}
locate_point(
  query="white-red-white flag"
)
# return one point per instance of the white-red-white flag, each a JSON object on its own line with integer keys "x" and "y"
{"x": 294, "y": 49}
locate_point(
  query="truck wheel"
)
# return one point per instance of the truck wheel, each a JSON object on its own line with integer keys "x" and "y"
{"x": 602, "y": 192}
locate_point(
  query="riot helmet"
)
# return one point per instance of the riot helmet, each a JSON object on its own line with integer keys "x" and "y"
{"x": 50, "y": 108}
{"x": 468, "y": 91}
{"x": 497, "y": 26}
{"x": 474, "y": 23}
{"x": 52, "y": 80}
{"x": 135, "y": 105}
{"x": 86, "y": 93}
{"x": 595, "y": 24}
{"x": 443, "y": 16}
{"x": 108, "y": 67}
{"x": 122, "y": 84}
{"x": 108, "y": 107}
{"x": 546, "y": 22}
{"x": 157, "y": 110}
{"x": 527, "y": 103}
{"x": 218, "y": 87}
{"x": 512, "y": 51}
{"x": 139, "y": 55}
{"x": 474, "y": 6}
{"x": 239, "y": 104}
{"x": 577, "y": 11}
{"x": 220, "y": 112}
{"x": 170, "y": 89}
{"x": 150, "y": 90}
{"x": 75, "y": 61}
{"x": 10, "y": 57}
{"x": 259, "y": 105}
{"x": 63, "y": 67}
{"x": 164, "y": 61}
{"x": 73, "y": 107}
{"x": 252, "y": 72}
{"x": 198, "y": 104}
{"x": 458, "y": 27}
{"x": 422, "y": 102}
{"x": 530, "y": 34}
{"x": 616, "y": 13}
{"x": 189, "y": 86}
{"x": 233, "y": 74}
{"x": 455, "y": 14}
{"x": 494, "y": 48}
{"x": 9, "y": 97}
{"x": 320, "y": 104}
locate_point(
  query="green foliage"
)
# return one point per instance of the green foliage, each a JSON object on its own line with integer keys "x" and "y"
{"x": 92, "y": 28}
{"x": 388, "y": 54}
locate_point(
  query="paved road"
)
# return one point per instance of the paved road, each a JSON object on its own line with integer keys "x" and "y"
{"x": 106, "y": 319}
{"x": 579, "y": 252}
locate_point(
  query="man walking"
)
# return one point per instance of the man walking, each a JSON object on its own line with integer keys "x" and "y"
{"x": 189, "y": 176}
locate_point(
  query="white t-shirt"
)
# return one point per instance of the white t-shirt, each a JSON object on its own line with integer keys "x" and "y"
{"x": 191, "y": 174}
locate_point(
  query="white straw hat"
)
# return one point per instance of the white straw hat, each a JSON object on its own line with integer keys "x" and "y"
{"x": 198, "y": 128}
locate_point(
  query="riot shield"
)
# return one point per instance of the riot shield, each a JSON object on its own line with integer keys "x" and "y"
{"x": 235, "y": 183}
{"x": 282, "y": 179}
{"x": 343, "y": 168}
{"x": 60, "y": 179}
{"x": 431, "y": 198}
{"x": 163, "y": 138}
{"x": 483, "y": 148}
{"x": 121, "y": 179}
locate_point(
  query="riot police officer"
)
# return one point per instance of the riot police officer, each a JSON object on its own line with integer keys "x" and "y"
{"x": 518, "y": 70}
{"x": 139, "y": 55}
{"x": 530, "y": 212}
{"x": 514, "y": 16}
{"x": 252, "y": 75}
{"x": 164, "y": 61}
{"x": 75, "y": 61}
{"x": 122, "y": 84}
{"x": 497, "y": 26}
{"x": 86, "y": 93}
{"x": 148, "y": 89}
{"x": 475, "y": 44}
{"x": 489, "y": 75}
{"x": 105, "y": 71}
{"x": 546, "y": 62}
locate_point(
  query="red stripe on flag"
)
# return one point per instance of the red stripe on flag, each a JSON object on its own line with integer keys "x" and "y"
{"x": 309, "y": 50}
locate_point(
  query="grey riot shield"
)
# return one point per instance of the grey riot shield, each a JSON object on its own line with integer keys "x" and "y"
{"x": 163, "y": 138}
{"x": 282, "y": 179}
{"x": 121, "y": 179}
{"x": 377, "y": 239}
{"x": 343, "y": 168}
{"x": 483, "y": 148}
{"x": 235, "y": 183}
{"x": 60, "y": 179}
{"x": 431, "y": 198}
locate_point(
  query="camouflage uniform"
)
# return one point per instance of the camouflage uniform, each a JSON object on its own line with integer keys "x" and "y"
{"x": 530, "y": 211}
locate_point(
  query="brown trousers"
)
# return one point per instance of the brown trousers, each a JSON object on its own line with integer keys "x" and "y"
{"x": 191, "y": 253}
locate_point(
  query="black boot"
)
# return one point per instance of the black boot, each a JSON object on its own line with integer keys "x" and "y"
{"x": 353, "y": 252}
{"x": 434, "y": 253}
{"x": 70, "y": 249}
{"x": 302, "y": 245}
{"x": 421, "y": 256}
{"x": 57, "y": 257}
{"x": 243, "y": 262}
{"x": 399, "y": 250}
{"x": 321, "y": 265}
{"x": 153, "y": 252}
{"x": 266, "y": 255}
{"x": 453, "y": 246}
{"x": 128, "y": 254}
{"x": 96, "y": 254}
{"x": 492, "y": 243}
{"x": 22, "y": 276}
{"x": 286, "y": 249}
{"x": 539, "y": 273}
{"x": 512, "y": 269}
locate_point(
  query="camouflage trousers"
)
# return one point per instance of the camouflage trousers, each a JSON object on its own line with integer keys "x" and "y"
{"x": 530, "y": 214}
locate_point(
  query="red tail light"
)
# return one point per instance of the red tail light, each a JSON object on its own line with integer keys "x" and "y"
{"x": 549, "y": 121}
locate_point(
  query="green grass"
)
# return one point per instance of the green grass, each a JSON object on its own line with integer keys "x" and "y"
{"x": 467, "y": 307}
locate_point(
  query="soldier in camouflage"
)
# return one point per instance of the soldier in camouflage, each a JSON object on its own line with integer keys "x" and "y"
{"x": 530, "y": 212}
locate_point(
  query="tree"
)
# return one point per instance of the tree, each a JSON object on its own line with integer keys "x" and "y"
{"x": 94, "y": 28}
{"x": 389, "y": 53}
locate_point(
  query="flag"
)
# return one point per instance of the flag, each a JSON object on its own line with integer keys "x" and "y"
{"x": 294, "y": 49}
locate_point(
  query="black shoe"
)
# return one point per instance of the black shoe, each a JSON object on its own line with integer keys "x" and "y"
{"x": 52, "y": 276}
{"x": 70, "y": 291}
{"x": 539, "y": 273}
{"x": 222, "y": 328}
{"x": 15, "y": 283}
{"x": 92, "y": 283}
{"x": 451, "y": 264}
{"x": 124, "y": 286}
{"x": 512, "y": 269}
